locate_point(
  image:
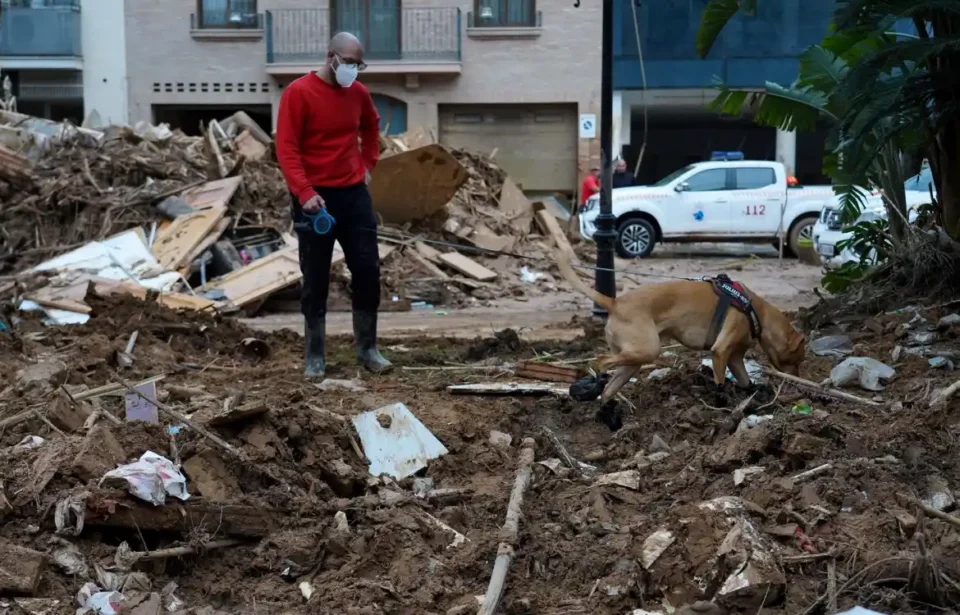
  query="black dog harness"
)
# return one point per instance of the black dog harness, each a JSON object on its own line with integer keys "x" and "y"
{"x": 730, "y": 293}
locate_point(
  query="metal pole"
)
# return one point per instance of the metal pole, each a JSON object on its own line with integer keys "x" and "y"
{"x": 605, "y": 236}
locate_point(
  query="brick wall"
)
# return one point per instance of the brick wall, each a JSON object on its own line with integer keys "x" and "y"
{"x": 559, "y": 65}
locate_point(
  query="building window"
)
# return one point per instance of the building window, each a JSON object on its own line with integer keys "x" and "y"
{"x": 504, "y": 14}
{"x": 226, "y": 14}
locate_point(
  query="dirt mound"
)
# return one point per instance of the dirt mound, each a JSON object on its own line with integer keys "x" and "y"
{"x": 685, "y": 502}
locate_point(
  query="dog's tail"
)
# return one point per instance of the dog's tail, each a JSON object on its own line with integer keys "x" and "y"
{"x": 566, "y": 270}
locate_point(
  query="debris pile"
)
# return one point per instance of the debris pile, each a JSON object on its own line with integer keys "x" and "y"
{"x": 214, "y": 210}
{"x": 154, "y": 461}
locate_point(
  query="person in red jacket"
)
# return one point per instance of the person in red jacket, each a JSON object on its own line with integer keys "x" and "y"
{"x": 328, "y": 134}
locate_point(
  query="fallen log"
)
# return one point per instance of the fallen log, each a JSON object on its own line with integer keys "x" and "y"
{"x": 509, "y": 532}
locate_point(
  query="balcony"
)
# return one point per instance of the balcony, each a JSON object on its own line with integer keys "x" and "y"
{"x": 41, "y": 37}
{"x": 396, "y": 40}
{"x": 504, "y": 19}
{"x": 226, "y": 20}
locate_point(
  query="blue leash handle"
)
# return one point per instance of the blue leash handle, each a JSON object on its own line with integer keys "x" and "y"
{"x": 320, "y": 223}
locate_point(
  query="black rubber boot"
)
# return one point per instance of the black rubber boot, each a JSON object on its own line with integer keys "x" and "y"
{"x": 365, "y": 334}
{"x": 315, "y": 342}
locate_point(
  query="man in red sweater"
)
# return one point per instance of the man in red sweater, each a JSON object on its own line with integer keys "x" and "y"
{"x": 322, "y": 115}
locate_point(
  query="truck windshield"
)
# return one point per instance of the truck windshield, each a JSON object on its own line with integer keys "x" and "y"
{"x": 669, "y": 178}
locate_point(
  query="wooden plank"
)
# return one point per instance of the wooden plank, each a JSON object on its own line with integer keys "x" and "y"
{"x": 431, "y": 173}
{"x": 433, "y": 269}
{"x": 15, "y": 168}
{"x": 428, "y": 252}
{"x": 467, "y": 266}
{"x": 174, "y": 301}
{"x": 544, "y": 371}
{"x": 249, "y": 147}
{"x": 548, "y": 223}
{"x": 211, "y": 238}
{"x": 174, "y": 246}
{"x": 509, "y": 388}
{"x": 261, "y": 278}
{"x": 516, "y": 205}
{"x": 212, "y": 194}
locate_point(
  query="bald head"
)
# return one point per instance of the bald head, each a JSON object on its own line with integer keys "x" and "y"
{"x": 347, "y": 47}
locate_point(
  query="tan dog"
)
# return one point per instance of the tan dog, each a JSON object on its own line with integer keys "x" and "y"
{"x": 640, "y": 319}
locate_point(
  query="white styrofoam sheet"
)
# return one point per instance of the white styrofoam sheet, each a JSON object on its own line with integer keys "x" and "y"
{"x": 121, "y": 257}
{"x": 400, "y": 450}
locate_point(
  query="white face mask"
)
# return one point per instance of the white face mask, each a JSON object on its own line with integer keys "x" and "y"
{"x": 346, "y": 74}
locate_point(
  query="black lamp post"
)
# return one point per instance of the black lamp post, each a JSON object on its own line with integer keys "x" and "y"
{"x": 605, "y": 236}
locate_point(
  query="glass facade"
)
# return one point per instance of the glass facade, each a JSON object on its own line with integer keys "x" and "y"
{"x": 749, "y": 52}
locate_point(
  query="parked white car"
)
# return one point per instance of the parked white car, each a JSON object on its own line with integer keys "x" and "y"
{"x": 717, "y": 201}
{"x": 828, "y": 231}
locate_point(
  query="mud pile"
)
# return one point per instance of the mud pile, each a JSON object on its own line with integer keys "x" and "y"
{"x": 685, "y": 502}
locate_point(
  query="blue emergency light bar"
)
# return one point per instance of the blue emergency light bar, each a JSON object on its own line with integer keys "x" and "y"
{"x": 726, "y": 156}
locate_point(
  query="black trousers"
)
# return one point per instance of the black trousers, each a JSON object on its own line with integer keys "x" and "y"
{"x": 356, "y": 232}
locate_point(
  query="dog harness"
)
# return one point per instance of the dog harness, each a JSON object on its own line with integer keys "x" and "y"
{"x": 730, "y": 293}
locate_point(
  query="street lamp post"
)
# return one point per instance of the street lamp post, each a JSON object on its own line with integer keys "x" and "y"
{"x": 605, "y": 236}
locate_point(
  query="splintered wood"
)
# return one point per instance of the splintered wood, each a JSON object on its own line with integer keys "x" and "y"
{"x": 261, "y": 278}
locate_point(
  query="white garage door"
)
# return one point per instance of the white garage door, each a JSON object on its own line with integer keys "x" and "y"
{"x": 535, "y": 144}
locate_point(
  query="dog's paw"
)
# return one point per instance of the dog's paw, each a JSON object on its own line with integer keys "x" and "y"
{"x": 589, "y": 388}
{"x": 611, "y": 415}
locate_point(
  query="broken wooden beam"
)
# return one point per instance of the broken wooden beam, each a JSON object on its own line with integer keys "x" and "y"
{"x": 184, "y": 518}
{"x": 548, "y": 223}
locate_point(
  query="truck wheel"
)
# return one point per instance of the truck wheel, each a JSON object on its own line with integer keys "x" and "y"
{"x": 635, "y": 238}
{"x": 801, "y": 229}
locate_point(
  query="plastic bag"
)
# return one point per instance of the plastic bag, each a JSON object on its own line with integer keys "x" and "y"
{"x": 151, "y": 478}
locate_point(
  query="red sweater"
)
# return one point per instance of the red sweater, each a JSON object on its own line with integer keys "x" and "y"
{"x": 317, "y": 129}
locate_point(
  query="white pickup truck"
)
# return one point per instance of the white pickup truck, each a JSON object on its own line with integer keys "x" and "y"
{"x": 717, "y": 201}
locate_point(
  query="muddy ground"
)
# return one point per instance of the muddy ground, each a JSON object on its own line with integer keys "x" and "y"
{"x": 764, "y": 545}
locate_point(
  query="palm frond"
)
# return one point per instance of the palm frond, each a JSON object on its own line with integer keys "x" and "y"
{"x": 788, "y": 108}
{"x": 822, "y": 69}
{"x": 716, "y": 15}
{"x": 871, "y": 14}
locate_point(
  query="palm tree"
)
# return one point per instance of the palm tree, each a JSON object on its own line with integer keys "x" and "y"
{"x": 901, "y": 90}
{"x": 815, "y": 96}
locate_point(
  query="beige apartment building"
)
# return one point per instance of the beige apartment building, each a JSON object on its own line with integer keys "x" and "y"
{"x": 515, "y": 76}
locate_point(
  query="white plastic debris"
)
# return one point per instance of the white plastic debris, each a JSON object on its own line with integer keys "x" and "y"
{"x": 396, "y": 442}
{"x": 859, "y": 610}
{"x": 948, "y": 321}
{"x": 151, "y": 478}
{"x": 69, "y": 558}
{"x": 749, "y": 422}
{"x": 865, "y": 371}
{"x": 627, "y": 478}
{"x": 528, "y": 276}
{"x": 654, "y": 546}
{"x": 659, "y": 374}
{"x": 832, "y": 346}
{"x": 92, "y": 600}
{"x": 754, "y": 370}
{"x": 28, "y": 443}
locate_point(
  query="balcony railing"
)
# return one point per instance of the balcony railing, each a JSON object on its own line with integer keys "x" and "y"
{"x": 388, "y": 35}
{"x": 226, "y": 15}
{"x": 45, "y": 31}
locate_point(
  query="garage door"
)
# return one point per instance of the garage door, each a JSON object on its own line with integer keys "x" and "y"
{"x": 535, "y": 144}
